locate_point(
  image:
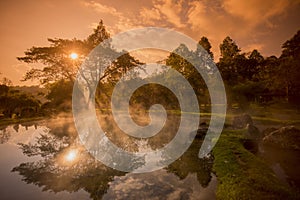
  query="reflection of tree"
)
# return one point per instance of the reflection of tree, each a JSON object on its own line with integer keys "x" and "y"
{"x": 57, "y": 172}
{"x": 46, "y": 146}
{"x": 104, "y": 64}
{"x": 44, "y": 174}
{"x": 4, "y": 135}
{"x": 64, "y": 165}
{"x": 16, "y": 127}
{"x": 29, "y": 124}
{"x": 189, "y": 162}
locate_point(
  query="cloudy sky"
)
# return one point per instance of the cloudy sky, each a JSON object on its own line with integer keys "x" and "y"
{"x": 263, "y": 25}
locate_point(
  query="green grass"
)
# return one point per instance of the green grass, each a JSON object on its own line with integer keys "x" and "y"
{"x": 242, "y": 175}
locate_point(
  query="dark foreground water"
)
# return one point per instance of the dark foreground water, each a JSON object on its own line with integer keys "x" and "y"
{"x": 44, "y": 160}
{"x": 284, "y": 163}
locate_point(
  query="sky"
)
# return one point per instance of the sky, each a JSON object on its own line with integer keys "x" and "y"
{"x": 252, "y": 24}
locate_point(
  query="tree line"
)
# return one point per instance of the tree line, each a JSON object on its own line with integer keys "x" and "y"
{"x": 248, "y": 76}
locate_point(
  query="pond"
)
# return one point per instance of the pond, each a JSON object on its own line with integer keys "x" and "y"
{"x": 45, "y": 160}
{"x": 283, "y": 162}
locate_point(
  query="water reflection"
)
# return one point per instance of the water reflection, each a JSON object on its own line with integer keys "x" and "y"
{"x": 62, "y": 164}
{"x": 189, "y": 163}
{"x": 284, "y": 163}
{"x": 4, "y": 135}
{"x": 71, "y": 155}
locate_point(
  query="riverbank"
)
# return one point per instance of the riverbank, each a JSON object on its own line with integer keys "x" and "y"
{"x": 9, "y": 121}
{"x": 242, "y": 175}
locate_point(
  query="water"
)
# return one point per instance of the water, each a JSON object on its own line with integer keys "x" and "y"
{"x": 44, "y": 160}
{"x": 284, "y": 163}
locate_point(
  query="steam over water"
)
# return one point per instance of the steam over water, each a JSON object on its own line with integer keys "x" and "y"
{"x": 46, "y": 160}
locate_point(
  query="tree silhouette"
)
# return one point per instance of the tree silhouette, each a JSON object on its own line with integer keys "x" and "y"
{"x": 59, "y": 67}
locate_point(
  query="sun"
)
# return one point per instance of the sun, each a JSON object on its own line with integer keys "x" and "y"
{"x": 71, "y": 155}
{"x": 73, "y": 56}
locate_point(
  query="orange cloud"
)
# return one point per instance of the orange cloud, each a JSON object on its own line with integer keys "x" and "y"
{"x": 120, "y": 21}
{"x": 171, "y": 11}
{"x": 256, "y": 12}
{"x": 150, "y": 16}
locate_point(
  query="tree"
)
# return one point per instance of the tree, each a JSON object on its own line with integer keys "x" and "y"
{"x": 291, "y": 47}
{"x": 179, "y": 63}
{"x": 59, "y": 92}
{"x": 282, "y": 75}
{"x": 203, "y": 42}
{"x": 228, "y": 61}
{"x": 56, "y": 60}
{"x": 229, "y": 49}
{"x": 57, "y": 65}
{"x": 254, "y": 66}
{"x": 241, "y": 73}
{"x": 290, "y": 65}
{"x": 3, "y": 89}
{"x": 18, "y": 103}
{"x": 5, "y": 81}
{"x": 100, "y": 34}
{"x": 189, "y": 71}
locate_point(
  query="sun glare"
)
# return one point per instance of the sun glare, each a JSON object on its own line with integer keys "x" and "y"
{"x": 71, "y": 155}
{"x": 73, "y": 56}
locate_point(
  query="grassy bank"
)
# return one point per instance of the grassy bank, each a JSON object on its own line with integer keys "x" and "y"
{"x": 242, "y": 175}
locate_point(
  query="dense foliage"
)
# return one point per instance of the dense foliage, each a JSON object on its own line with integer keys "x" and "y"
{"x": 248, "y": 76}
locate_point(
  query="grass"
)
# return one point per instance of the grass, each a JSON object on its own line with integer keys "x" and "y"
{"x": 242, "y": 175}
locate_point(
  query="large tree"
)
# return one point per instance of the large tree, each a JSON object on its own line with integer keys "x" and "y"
{"x": 60, "y": 61}
{"x": 57, "y": 62}
{"x": 250, "y": 71}
{"x": 205, "y": 44}
{"x": 230, "y": 56}
{"x": 200, "y": 59}
{"x": 289, "y": 72}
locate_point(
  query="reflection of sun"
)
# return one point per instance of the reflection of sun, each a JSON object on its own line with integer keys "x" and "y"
{"x": 71, "y": 155}
{"x": 73, "y": 55}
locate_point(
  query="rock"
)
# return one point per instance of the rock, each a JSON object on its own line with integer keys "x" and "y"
{"x": 253, "y": 133}
{"x": 241, "y": 121}
{"x": 286, "y": 137}
{"x": 267, "y": 131}
{"x": 251, "y": 138}
{"x": 250, "y": 145}
{"x": 201, "y": 132}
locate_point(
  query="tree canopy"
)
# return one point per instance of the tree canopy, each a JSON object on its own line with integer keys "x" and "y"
{"x": 58, "y": 68}
{"x": 247, "y": 75}
{"x": 57, "y": 63}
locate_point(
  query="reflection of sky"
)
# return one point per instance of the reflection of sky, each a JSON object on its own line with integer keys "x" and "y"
{"x": 159, "y": 185}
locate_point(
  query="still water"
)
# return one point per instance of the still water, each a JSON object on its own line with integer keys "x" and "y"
{"x": 284, "y": 163}
{"x": 45, "y": 160}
